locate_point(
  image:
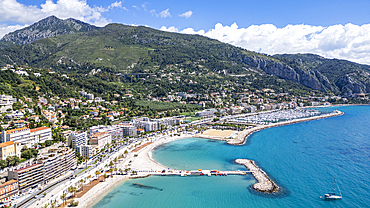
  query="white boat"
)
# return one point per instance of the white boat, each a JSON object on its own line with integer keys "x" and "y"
{"x": 334, "y": 196}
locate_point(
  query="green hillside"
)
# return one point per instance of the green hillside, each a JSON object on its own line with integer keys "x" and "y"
{"x": 116, "y": 48}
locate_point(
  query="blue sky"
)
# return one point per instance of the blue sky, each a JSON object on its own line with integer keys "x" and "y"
{"x": 334, "y": 29}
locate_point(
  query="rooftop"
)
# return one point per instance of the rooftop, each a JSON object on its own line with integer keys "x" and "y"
{"x": 16, "y": 130}
{"x": 39, "y": 129}
{"x": 6, "y": 144}
{"x": 28, "y": 168}
{"x": 8, "y": 183}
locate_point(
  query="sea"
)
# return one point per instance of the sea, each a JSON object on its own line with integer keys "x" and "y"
{"x": 303, "y": 159}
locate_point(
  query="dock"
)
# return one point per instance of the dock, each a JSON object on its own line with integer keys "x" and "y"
{"x": 199, "y": 172}
{"x": 265, "y": 184}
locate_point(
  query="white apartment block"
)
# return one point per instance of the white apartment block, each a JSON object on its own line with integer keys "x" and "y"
{"x": 100, "y": 139}
{"x": 7, "y": 100}
{"x": 77, "y": 138}
{"x": 26, "y": 136}
{"x": 115, "y": 130}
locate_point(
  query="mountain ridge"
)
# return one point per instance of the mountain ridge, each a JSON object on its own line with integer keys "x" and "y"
{"x": 47, "y": 27}
{"x": 118, "y": 48}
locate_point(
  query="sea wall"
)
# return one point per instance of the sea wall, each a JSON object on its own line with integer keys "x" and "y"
{"x": 242, "y": 137}
{"x": 265, "y": 184}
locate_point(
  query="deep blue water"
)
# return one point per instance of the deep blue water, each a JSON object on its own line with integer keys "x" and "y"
{"x": 302, "y": 158}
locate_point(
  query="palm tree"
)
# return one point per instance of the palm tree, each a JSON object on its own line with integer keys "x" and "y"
{"x": 105, "y": 176}
{"x": 111, "y": 171}
{"x": 53, "y": 205}
{"x": 120, "y": 170}
{"x": 70, "y": 189}
{"x": 81, "y": 184}
{"x": 111, "y": 163}
{"x": 88, "y": 177}
{"x": 63, "y": 197}
{"x": 97, "y": 173}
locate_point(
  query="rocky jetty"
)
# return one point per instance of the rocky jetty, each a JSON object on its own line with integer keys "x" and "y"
{"x": 265, "y": 184}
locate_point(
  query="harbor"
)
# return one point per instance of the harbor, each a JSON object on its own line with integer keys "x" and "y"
{"x": 242, "y": 136}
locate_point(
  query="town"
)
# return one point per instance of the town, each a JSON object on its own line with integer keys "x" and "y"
{"x": 49, "y": 141}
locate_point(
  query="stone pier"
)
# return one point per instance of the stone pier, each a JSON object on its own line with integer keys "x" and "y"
{"x": 265, "y": 184}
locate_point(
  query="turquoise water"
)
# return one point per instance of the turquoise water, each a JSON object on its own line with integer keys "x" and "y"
{"x": 302, "y": 158}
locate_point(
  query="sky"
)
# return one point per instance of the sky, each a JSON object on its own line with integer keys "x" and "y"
{"x": 330, "y": 28}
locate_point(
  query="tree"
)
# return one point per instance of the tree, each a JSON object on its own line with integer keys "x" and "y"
{"x": 105, "y": 176}
{"x": 27, "y": 154}
{"x": 63, "y": 197}
{"x": 3, "y": 164}
{"x": 97, "y": 173}
{"x": 48, "y": 143}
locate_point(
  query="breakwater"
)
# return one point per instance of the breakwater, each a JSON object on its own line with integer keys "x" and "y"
{"x": 242, "y": 137}
{"x": 265, "y": 184}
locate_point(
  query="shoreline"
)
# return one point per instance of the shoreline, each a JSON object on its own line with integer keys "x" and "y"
{"x": 242, "y": 137}
{"x": 89, "y": 200}
{"x": 144, "y": 159}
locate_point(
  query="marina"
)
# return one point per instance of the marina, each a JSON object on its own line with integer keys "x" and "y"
{"x": 242, "y": 136}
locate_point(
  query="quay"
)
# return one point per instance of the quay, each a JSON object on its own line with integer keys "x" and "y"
{"x": 265, "y": 184}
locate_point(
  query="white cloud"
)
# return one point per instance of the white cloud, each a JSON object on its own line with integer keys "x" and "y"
{"x": 170, "y": 29}
{"x": 154, "y": 13}
{"x": 186, "y": 14}
{"x": 136, "y": 7}
{"x": 144, "y": 5}
{"x": 12, "y": 10}
{"x": 350, "y": 42}
{"x": 117, "y": 4}
{"x": 165, "y": 13}
{"x": 4, "y": 29}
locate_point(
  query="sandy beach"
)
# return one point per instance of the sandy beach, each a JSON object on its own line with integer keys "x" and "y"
{"x": 143, "y": 160}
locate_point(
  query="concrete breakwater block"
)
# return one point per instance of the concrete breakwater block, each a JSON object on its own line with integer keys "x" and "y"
{"x": 265, "y": 184}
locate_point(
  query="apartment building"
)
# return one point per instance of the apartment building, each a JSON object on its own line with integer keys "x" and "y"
{"x": 8, "y": 189}
{"x": 10, "y": 148}
{"x": 100, "y": 139}
{"x": 7, "y": 100}
{"x": 129, "y": 130}
{"x": 28, "y": 177}
{"x": 77, "y": 138}
{"x": 87, "y": 151}
{"x": 26, "y": 136}
{"x": 57, "y": 162}
{"x": 115, "y": 130}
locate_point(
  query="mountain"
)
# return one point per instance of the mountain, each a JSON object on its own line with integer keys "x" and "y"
{"x": 118, "y": 48}
{"x": 48, "y": 27}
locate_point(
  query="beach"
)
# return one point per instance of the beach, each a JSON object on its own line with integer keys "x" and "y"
{"x": 143, "y": 160}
